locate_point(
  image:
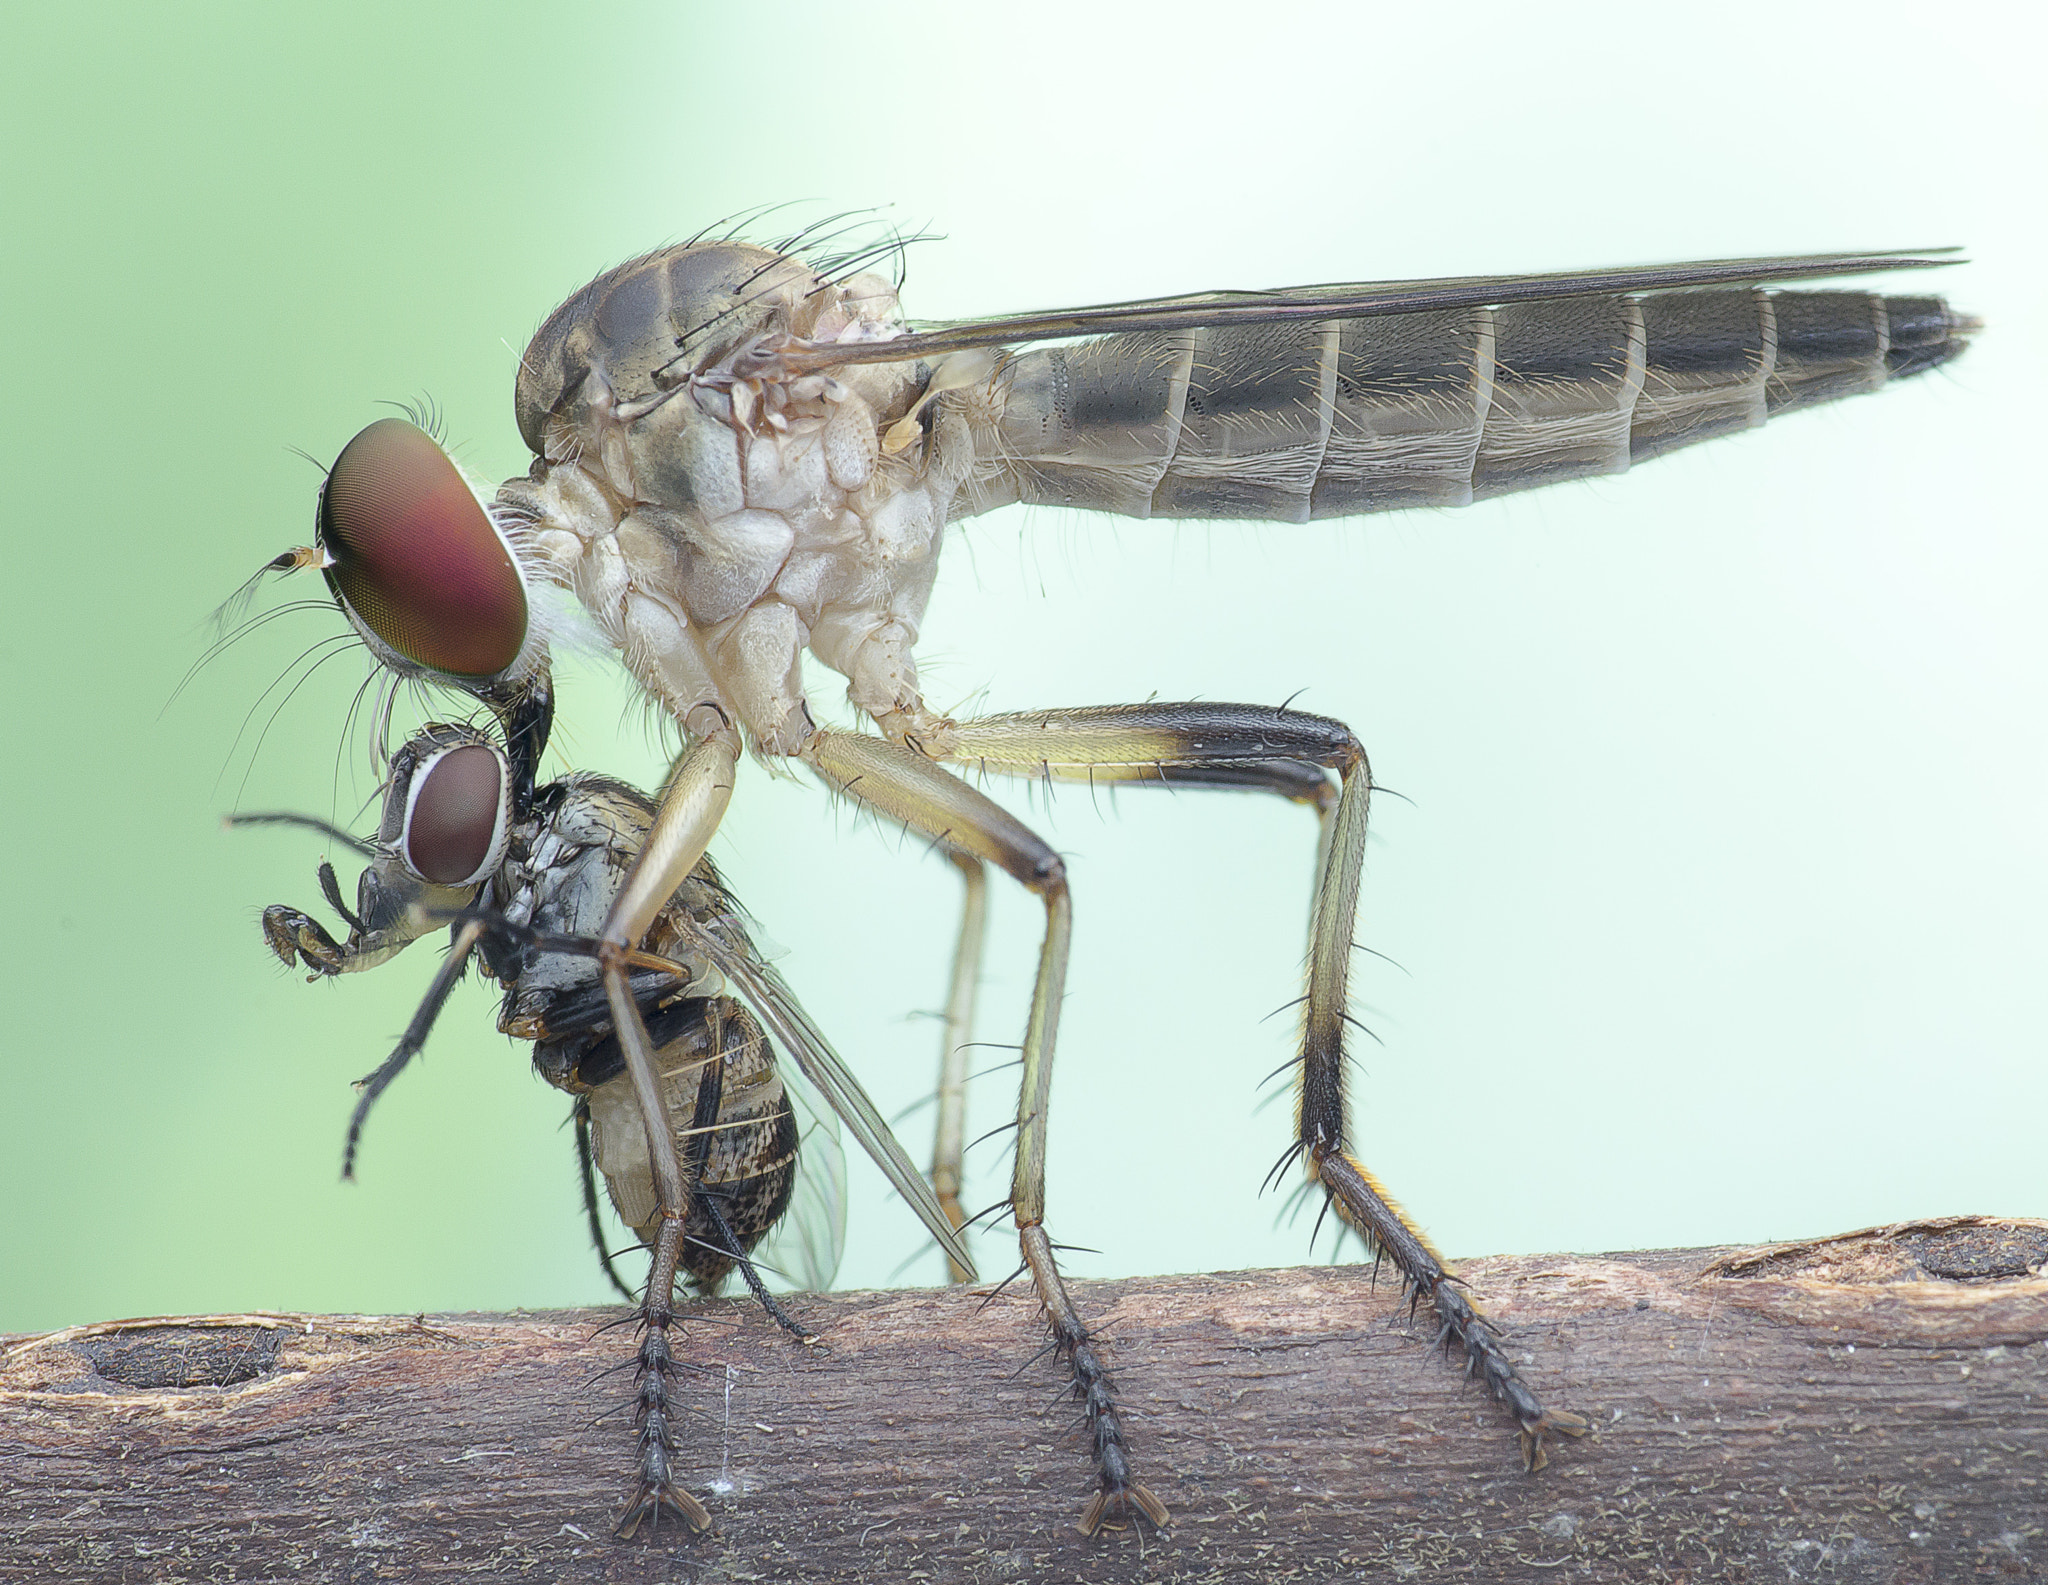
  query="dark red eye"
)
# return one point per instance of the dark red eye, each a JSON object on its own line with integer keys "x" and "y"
{"x": 417, "y": 562}
{"x": 455, "y": 816}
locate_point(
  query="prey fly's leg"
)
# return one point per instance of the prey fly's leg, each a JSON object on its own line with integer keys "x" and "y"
{"x": 1279, "y": 751}
{"x": 297, "y": 938}
{"x": 948, "y": 1140}
{"x": 691, "y": 806}
{"x": 726, "y": 1242}
{"x": 903, "y": 784}
{"x": 715, "y": 1232}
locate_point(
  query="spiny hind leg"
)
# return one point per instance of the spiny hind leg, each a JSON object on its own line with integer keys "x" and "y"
{"x": 1292, "y": 754}
{"x": 903, "y": 784}
{"x": 1357, "y": 1197}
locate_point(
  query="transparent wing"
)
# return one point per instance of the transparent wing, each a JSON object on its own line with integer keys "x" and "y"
{"x": 1348, "y": 300}
{"x": 805, "y": 1246}
{"x": 724, "y": 942}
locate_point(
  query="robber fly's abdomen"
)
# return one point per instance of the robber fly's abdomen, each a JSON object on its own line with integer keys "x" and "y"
{"x": 1305, "y": 420}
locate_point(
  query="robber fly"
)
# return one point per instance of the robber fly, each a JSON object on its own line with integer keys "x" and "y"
{"x": 527, "y": 875}
{"x": 741, "y": 455}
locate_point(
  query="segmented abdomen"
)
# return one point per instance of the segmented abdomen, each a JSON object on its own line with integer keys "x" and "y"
{"x": 1290, "y": 422}
{"x": 732, "y": 1124}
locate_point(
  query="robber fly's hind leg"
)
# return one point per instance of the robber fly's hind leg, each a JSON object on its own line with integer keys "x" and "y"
{"x": 903, "y": 784}
{"x": 949, "y": 1134}
{"x": 691, "y": 806}
{"x": 1290, "y": 753}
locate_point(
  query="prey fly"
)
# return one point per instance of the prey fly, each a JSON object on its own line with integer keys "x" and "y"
{"x": 527, "y": 874}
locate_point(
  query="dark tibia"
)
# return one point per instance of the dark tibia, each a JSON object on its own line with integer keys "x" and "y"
{"x": 729, "y": 1245}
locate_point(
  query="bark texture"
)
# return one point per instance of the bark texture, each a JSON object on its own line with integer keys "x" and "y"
{"x": 1872, "y": 1407}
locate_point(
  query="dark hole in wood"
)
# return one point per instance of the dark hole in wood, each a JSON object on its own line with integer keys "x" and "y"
{"x": 184, "y": 1356}
{"x": 1965, "y": 1254}
{"x": 1960, "y": 1249}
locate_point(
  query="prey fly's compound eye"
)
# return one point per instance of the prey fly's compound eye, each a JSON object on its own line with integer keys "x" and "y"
{"x": 416, "y": 561}
{"x": 457, "y": 812}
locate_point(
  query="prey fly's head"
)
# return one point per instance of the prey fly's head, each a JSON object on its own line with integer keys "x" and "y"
{"x": 449, "y": 807}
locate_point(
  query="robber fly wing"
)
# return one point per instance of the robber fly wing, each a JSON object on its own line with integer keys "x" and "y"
{"x": 806, "y": 1245}
{"x": 1353, "y": 300}
{"x": 805, "y": 1044}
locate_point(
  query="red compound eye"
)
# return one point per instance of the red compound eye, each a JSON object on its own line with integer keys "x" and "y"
{"x": 454, "y": 832}
{"x": 417, "y": 562}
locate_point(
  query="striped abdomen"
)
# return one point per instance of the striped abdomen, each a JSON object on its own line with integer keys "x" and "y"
{"x": 732, "y": 1124}
{"x": 1290, "y": 422}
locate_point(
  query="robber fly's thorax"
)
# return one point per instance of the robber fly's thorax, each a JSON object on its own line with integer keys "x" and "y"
{"x": 718, "y": 515}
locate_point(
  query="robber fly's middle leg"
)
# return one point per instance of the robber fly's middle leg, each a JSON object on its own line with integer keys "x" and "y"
{"x": 950, "y": 1133}
{"x": 903, "y": 784}
{"x": 691, "y": 806}
{"x": 1304, "y": 783}
{"x": 1292, "y": 754}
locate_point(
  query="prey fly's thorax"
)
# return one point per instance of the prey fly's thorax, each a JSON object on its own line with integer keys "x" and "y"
{"x": 561, "y": 878}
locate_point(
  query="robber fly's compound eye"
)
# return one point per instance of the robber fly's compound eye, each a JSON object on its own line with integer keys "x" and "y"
{"x": 456, "y": 811}
{"x": 415, "y": 559}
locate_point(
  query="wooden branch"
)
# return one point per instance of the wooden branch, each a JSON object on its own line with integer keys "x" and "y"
{"x": 1872, "y": 1407}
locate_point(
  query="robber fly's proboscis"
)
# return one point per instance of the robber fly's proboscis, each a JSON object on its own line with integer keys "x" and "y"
{"x": 523, "y": 876}
{"x": 743, "y": 456}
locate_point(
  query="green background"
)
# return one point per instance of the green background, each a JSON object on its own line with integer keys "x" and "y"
{"x": 1715, "y": 909}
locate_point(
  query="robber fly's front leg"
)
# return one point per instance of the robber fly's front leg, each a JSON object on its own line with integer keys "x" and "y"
{"x": 1290, "y": 753}
{"x": 903, "y": 784}
{"x": 691, "y": 806}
